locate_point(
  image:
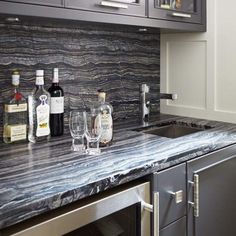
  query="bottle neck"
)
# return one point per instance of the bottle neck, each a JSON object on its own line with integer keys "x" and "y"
{"x": 39, "y": 81}
{"x": 16, "y": 93}
{"x": 16, "y": 88}
{"x": 55, "y": 79}
{"x": 39, "y": 86}
{"x": 101, "y": 100}
{"x": 55, "y": 83}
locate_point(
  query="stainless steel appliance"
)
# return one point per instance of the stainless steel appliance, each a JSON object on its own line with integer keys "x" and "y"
{"x": 122, "y": 211}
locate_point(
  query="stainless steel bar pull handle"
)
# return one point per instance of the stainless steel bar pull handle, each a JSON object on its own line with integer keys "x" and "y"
{"x": 195, "y": 204}
{"x": 156, "y": 215}
{"x": 113, "y": 4}
{"x": 155, "y": 210}
{"x": 182, "y": 15}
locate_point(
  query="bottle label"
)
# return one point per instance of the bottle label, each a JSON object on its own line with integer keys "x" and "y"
{"x": 42, "y": 112}
{"x": 57, "y": 105}
{"x": 107, "y": 126}
{"x": 15, "y": 132}
{"x": 16, "y": 108}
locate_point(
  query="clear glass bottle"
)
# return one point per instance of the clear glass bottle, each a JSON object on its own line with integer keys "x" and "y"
{"x": 15, "y": 114}
{"x": 39, "y": 111}
{"x": 105, "y": 110}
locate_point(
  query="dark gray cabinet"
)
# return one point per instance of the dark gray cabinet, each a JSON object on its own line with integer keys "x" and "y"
{"x": 178, "y": 228}
{"x": 142, "y": 13}
{"x": 58, "y": 3}
{"x": 171, "y": 186}
{"x": 198, "y": 198}
{"x": 132, "y": 7}
{"x": 212, "y": 194}
{"x": 188, "y": 11}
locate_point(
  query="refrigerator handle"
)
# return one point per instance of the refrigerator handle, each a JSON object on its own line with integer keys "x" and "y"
{"x": 155, "y": 210}
{"x": 195, "y": 203}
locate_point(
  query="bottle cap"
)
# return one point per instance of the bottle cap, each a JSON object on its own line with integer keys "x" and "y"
{"x": 39, "y": 77}
{"x": 15, "y": 78}
{"x": 55, "y": 75}
{"x": 40, "y": 73}
{"x": 101, "y": 95}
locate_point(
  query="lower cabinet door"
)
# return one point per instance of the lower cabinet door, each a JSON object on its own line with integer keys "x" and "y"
{"x": 178, "y": 228}
{"x": 171, "y": 185}
{"x": 213, "y": 193}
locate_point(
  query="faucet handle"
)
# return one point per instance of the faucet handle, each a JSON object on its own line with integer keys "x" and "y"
{"x": 174, "y": 96}
{"x": 144, "y": 88}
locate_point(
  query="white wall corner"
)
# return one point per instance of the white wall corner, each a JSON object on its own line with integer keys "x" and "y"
{"x": 201, "y": 68}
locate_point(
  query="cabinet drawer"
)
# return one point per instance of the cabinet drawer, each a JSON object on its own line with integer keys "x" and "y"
{"x": 123, "y": 7}
{"x": 168, "y": 182}
{"x": 58, "y": 3}
{"x": 178, "y": 228}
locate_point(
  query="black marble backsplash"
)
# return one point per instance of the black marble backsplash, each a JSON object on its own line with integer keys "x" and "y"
{"x": 89, "y": 57}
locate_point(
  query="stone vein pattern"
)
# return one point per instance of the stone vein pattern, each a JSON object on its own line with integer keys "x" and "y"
{"x": 35, "y": 179}
{"x": 89, "y": 57}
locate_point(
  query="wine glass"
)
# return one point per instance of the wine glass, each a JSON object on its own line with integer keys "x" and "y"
{"x": 77, "y": 123}
{"x": 93, "y": 131}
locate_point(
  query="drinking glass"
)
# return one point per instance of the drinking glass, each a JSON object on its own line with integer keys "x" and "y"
{"x": 93, "y": 131}
{"x": 77, "y": 123}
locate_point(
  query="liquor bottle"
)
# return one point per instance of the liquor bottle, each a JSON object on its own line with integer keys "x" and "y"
{"x": 105, "y": 110}
{"x": 57, "y": 106}
{"x": 39, "y": 111}
{"x": 15, "y": 114}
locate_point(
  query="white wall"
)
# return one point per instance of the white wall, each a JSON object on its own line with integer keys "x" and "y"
{"x": 201, "y": 67}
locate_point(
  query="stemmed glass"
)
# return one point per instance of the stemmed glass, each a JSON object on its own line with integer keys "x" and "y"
{"x": 77, "y": 123}
{"x": 93, "y": 131}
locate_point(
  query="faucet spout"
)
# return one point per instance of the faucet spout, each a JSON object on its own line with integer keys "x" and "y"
{"x": 144, "y": 103}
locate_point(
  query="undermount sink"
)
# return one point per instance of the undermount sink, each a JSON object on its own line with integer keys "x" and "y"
{"x": 171, "y": 130}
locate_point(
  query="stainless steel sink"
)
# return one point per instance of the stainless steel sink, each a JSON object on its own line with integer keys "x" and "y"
{"x": 171, "y": 130}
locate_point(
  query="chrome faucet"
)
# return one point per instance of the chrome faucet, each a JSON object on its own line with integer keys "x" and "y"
{"x": 144, "y": 103}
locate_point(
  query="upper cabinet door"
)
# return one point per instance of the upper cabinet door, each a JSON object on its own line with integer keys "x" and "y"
{"x": 58, "y": 3}
{"x": 191, "y": 11}
{"x": 122, "y": 7}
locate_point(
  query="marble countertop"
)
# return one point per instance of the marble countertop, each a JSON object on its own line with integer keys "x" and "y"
{"x": 35, "y": 179}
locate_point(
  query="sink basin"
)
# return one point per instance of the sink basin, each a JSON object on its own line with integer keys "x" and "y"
{"x": 171, "y": 130}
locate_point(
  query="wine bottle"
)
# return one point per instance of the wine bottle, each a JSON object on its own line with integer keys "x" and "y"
{"x": 57, "y": 106}
{"x": 39, "y": 111}
{"x": 15, "y": 114}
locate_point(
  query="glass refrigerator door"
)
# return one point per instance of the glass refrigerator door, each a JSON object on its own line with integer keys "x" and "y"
{"x": 125, "y": 222}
